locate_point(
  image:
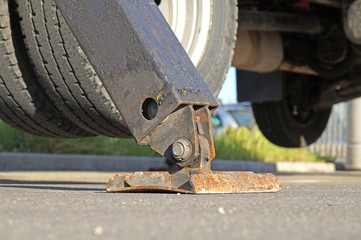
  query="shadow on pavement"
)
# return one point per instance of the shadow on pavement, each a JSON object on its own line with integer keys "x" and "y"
{"x": 38, "y": 185}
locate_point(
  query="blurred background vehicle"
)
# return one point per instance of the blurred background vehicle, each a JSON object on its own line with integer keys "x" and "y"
{"x": 232, "y": 115}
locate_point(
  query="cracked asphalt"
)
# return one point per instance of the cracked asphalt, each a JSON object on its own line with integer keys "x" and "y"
{"x": 74, "y": 205}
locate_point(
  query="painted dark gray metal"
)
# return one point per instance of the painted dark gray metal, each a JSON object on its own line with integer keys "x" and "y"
{"x": 259, "y": 87}
{"x": 278, "y": 22}
{"x": 137, "y": 56}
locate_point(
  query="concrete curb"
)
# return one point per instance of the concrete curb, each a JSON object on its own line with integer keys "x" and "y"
{"x": 70, "y": 162}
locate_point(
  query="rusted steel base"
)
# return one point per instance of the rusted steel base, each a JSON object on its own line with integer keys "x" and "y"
{"x": 194, "y": 181}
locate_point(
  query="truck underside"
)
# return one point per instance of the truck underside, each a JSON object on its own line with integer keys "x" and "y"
{"x": 116, "y": 68}
{"x": 304, "y": 57}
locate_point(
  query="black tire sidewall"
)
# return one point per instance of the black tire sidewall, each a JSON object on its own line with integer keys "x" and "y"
{"x": 310, "y": 131}
{"x": 279, "y": 127}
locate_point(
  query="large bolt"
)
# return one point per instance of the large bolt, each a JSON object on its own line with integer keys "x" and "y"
{"x": 181, "y": 149}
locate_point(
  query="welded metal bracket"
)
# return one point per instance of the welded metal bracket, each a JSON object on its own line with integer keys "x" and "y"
{"x": 190, "y": 147}
{"x": 159, "y": 93}
{"x": 191, "y": 150}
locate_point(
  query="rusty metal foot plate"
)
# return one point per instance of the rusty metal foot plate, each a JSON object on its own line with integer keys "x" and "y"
{"x": 194, "y": 181}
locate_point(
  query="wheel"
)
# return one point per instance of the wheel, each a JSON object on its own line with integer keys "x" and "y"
{"x": 69, "y": 80}
{"x": 282, "y": 124}
{"x": 207, "y": 31}
{"x": 22, "y": 104}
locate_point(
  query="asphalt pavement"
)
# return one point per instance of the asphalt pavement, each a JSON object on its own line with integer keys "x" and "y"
{"x": 74, "y": 205}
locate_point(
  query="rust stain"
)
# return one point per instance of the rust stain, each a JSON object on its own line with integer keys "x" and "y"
{"x": 203, "y": 181}
{"x": 234, "y": 182}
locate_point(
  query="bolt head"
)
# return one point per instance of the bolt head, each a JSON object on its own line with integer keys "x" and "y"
{"x": 178, "y": 149}
{"x": 181, "y": 149}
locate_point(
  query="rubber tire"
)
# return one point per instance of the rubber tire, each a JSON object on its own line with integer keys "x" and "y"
{"x": 22, "y": 103}
{"x": 66, "y": 75}
{"x": 279, "y": 127}
{"x": 64, "y": 71}
{"x": 219, "y": 54}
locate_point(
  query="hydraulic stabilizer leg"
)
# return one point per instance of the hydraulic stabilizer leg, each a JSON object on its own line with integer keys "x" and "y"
{"x": 191, "y": 149}
{"x": 159, "y": 93}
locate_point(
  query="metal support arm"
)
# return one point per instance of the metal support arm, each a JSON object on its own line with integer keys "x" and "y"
{"x": 159, "y": 93}
{"x": 138, "y": 58}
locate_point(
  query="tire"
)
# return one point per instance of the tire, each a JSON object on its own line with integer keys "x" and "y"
{"x": 72, "y": 84}
{"x": 64, "y": 72}
{"x": 217, "y": 47}
{"x": 219, "y": 53}
{"x": 280, "y": 127}
{"x": 22, "y": 104}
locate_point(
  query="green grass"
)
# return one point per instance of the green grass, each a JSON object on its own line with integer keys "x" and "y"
{"x": 243, "y": 143}
{"x": 13, "y": 140}
{"x": 235, "y": 144}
